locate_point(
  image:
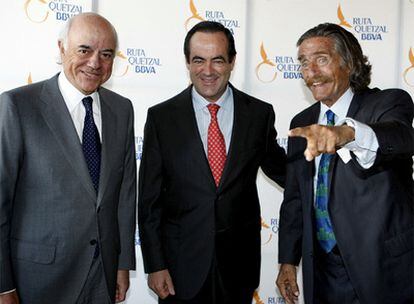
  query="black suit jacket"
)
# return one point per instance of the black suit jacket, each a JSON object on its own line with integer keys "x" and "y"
{"x": 372, "y": 210}
{"x": 184, "y": 220}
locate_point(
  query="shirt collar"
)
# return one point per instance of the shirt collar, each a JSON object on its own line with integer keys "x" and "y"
{"x": 72, "y": 95}
{"x": 340, "y": 107}
{"x": 200, "y": 102}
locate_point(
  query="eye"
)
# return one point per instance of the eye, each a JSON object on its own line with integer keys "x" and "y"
{"x": 83, "y": 51}
{"x": 107, "y": 55}
{"x": 322, "y": 60}
{"x": 304, "y": 64}
{"x": 197, "y": 61}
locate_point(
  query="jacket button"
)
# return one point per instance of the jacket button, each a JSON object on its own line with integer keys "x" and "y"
{"x": 92, "y": 242}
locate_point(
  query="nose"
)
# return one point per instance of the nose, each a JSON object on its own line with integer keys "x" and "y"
{"x": 208, "y": 68}
{"x": 311, "y": 70}
{"x": 94, "y": 60}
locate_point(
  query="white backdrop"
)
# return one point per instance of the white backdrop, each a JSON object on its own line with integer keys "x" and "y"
{"x": 150, "y": 65}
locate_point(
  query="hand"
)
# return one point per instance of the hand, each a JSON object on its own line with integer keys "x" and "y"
{"x": 122, "y": 285}
{"x": 323, "y": 139}
{"x": 9, "y": 298}
{"x": 161, "y": 283}
{"x": 286, "y": 282}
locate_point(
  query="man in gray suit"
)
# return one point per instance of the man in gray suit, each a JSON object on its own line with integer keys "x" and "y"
{"x": 68, "y": 178}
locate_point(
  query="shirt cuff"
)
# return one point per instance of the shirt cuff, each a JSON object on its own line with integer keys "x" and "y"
{"x": 6, "y": 292}
{"x": 364, "y": 146}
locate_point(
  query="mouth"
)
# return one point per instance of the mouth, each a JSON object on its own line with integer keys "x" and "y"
{"x": 91, "y": 74}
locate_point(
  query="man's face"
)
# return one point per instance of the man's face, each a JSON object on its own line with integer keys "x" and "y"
{"x": 209, "y": 64}
{"x": 323, "y": 70}
{"x": 89, "y": 54}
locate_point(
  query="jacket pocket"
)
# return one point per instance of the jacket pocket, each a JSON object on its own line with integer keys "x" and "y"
{"x": 400, "y": 244}
{"x": 33, "y": 252}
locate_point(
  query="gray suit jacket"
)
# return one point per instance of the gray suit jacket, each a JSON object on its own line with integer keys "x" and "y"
{"x": 49, "y": 212}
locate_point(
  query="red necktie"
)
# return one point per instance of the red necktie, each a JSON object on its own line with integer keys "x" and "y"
{"x": 216, "y": 147}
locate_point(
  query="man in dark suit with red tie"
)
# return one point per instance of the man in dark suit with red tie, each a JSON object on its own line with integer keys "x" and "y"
{"x": 348, "y": 209}
{"x": 199, "y": 213}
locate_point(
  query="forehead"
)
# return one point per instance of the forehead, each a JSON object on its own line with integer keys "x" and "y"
{"x": 214, "y": 43}
{"x": 316, "y": 45}
{"x": 92, "y": 32}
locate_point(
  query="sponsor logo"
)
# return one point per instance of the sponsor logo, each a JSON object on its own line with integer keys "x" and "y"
{"x": 269, "y": 230}
{"x": 210, "y": 15}
{"x": 364, "y": 27}
{"x": 267, "y": 69}
{"x": 194, "y": 16}
{"x": 137, "y": 239}
{"x": 29, "y": 78}
{"x": 139, "y": 141}
{"x": 283, "y": 142}
{"x": 38, "y": 11}
{"x": 121, "y": 66}
{"x": 256, "y": 298}
{"x": 275, "y": 300}
{"x": 141, "y": 62}
{"x": 408, "y": 74}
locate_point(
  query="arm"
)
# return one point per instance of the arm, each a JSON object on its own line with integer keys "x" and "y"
{"x": 274, "y": 161}
{"x": 11, "y": 154}
{"x": 127, "y": 202}
{"x": 290, "y": 229}
{"x": 150, "y": 212}
{"x": 390, "y": 117}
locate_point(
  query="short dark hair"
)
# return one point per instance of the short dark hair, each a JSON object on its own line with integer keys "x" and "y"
{"x": 348, "y": 49}
{"x": 210, "y": 27}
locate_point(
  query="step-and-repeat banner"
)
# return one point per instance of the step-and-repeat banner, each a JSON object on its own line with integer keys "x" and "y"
{"x": 150, "y": 66}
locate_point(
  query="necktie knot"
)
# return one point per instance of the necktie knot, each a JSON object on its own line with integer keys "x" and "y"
{"x": 87, "y": 103}
{"x": 213, "y": 109}
{"x": 330, "y": 118}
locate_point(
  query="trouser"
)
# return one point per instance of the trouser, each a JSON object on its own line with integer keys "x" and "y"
{"x": 332, "y": 284}
{"x": 214, "y": 292}
{"x": 94, "y": 290}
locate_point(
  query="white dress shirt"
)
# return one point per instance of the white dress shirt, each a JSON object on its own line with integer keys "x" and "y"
{"x": 225, "y": 115}
{"x": 73, "y": 99}
{"x": 364, "y": 146}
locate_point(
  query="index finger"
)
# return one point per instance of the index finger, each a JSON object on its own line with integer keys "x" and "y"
{"x": 298, "y": 132}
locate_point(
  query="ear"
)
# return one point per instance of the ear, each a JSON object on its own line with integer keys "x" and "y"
{"x": 61, "y": 47}
{"x": 233, "y": 62}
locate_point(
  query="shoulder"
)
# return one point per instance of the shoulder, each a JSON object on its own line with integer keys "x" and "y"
{"x": 306, "y": 117}
{"x": 181, "y": 99}
{"x": 250, "y": 100}
{"x": 23, "y": 92}
{"x": 388, "y": 95}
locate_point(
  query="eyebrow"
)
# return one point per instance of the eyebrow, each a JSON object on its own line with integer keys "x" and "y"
{"x": 314, "y": 54}
{"x": 214, "y": 58}
{"x": 84, "y": 46}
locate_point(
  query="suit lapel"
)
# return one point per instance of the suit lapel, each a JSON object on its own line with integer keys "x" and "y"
{"x": 58, "y": 119}
{"x": 239, "y": 132}
{"x": 108, "y": 137}
{"x": 309, "y": 169}
{"x": 189, "y": 130}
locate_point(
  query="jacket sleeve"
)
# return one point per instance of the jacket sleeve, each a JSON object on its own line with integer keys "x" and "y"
{"x": 150, "y": 199}
{"x": 11, "y": 155}
{"x": 128, "y": 200}
{"x": 274, "y": 161}
{"x": 393, "y": 125}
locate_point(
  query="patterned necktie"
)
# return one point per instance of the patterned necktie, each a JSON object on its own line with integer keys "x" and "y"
{"x": 91, "y": 144}
{"x": 324, "y": 231}
{"x": 216, "y": 147}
